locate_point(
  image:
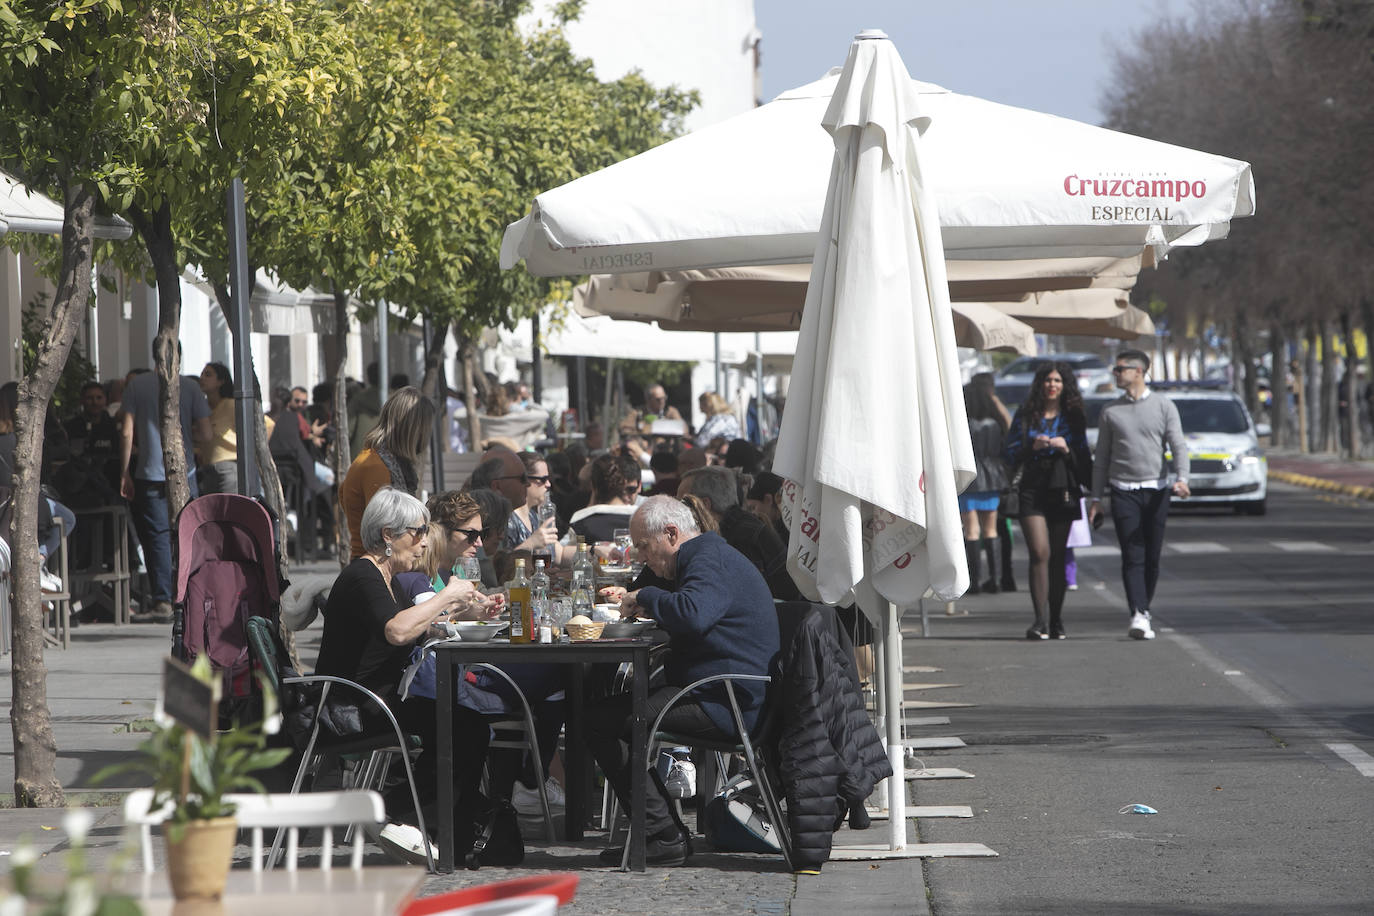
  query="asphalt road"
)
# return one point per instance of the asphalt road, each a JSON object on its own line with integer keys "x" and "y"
{"x": 1248, "y": 724}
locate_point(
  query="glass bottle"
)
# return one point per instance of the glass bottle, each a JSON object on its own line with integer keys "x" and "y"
{"x": 539, "y": 590}
{"x": 583, "y": 580}
{"x": 521, "y": 607}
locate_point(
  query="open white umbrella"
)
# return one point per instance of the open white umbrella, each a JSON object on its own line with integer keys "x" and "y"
{"x": 768, "y": 298}
{"x": 1013, "y": 184}
{"x": 878, "y": 451}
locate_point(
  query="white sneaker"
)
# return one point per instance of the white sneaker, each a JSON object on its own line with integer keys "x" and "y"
{"x": 1140, "y": 626}
{"x": 49, "y": 581}
{"x": 526, "y": 801}
{"x": 405, "y": 843}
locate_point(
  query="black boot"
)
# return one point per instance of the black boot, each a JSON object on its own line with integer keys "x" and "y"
{"x": 971, "y": 552}
{"x": 1004, "y": 538}
{"x": 990, "y": 586}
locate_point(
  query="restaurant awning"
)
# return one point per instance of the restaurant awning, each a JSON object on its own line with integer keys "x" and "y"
{"x": 25, "y": 210}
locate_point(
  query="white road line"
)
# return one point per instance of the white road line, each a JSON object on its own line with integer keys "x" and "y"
{"x": 1304, "y": 546}
{"x": 1097, "y": 550}
{"x": 1198, "y": 547}
{"x": 1355, "y": 757}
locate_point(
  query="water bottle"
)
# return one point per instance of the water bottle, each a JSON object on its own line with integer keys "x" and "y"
{"x": 583, "y": 580}
{"x": 539, "y": 590}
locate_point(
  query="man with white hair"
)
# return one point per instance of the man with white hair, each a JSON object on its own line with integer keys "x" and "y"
{"x": 720, "y": 617}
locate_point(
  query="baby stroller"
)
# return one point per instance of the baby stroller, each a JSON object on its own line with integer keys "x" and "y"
{"x": 226, "y": 571}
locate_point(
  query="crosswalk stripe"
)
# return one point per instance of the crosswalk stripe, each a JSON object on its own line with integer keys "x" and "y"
{"x": 1097, "y": 550}
{"x": 1303, "y": 546}
{"x": 1198, "y": 547}
{"x": 1355, "y": 757}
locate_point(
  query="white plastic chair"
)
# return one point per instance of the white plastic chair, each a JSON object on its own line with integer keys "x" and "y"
{"x": 255, "y": 812}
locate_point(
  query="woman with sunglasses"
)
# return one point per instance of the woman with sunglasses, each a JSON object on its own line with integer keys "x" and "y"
{"x": 371, "y": 626}
{"x": 1048, "y": 442}
{"x": 533, "y": 525}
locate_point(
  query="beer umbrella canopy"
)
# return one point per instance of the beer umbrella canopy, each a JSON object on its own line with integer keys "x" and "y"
{"x": 763, "y": 299}
{"x": 1122, "y": 324}
{"x": 1012, "y": 184}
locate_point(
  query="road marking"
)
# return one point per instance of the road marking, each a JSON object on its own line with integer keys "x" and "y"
{"x": 1234, "y": 673}
{"x": 1097, "y": 550}
{"x": 1355, "y": 757}
{"x": 1304, "y": 546}
{"x": 1199, "y": 547}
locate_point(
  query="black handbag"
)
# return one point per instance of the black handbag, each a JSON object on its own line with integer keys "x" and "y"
{"x": 496, "y": 836}
{"x": 1011, "y": 496}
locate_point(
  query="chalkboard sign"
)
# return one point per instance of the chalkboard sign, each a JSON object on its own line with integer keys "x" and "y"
{"x": 188, "y": 700}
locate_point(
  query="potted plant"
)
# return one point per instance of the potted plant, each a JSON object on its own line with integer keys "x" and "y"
{"x": 193, "y": 773}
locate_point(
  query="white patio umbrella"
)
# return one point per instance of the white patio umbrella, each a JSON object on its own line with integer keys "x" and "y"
{"x": 768, "y": 298}
{"x": 1013, "y": 184}
{"x": 879, "y": 449}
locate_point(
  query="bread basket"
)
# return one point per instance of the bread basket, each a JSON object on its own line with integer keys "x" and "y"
{"x": 577, "y": 631}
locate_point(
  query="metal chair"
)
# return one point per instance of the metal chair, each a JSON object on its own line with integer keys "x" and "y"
{"x": 370, "y": 754}
{"x": 527, "y": 741}
{"x": 291, "y": 813}
{"x": 60, "y": 615}
{"x": 764, "y": 734}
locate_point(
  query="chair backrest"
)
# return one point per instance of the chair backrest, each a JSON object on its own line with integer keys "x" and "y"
{"x": 255, "y": 812}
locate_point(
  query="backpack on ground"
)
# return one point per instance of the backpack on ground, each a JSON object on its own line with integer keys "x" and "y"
{"x": 737, "y": 821}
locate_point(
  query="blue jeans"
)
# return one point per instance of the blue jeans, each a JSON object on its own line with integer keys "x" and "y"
{"x": 48, "y": 546}
{"x": 1139, "y": 516}
{"x": 150, "y": 509}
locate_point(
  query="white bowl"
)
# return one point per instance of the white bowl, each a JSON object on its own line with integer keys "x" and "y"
{"x": 621, "y": 629}
{"x": 476, "y": 630}
{"x": 608, "y": 613}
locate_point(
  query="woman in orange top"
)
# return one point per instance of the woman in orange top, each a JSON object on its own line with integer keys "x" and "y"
{"x": 389, "y": 457}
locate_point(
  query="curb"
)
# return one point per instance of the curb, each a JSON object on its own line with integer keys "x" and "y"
{"x": 1320, "y": 483}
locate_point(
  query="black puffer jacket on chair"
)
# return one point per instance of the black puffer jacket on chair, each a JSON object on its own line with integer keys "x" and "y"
{"x": 829, "y": 754}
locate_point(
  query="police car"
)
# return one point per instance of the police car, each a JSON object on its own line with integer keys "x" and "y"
{"x": 1226, "y": 465}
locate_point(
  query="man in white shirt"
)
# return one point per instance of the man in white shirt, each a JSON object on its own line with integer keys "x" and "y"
{"x": 1132, "y": 433}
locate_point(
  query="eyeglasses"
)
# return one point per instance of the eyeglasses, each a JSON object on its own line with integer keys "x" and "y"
{"x": 542, "y": 480}
{"x": 418, "y": 531}
{"x": 1117, "y": 370}
{"x": 472, "y": 534}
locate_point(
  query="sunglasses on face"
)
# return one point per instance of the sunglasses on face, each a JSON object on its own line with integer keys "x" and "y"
{"x": 472, "y": 534}
{"x": 541, "y": 480}
{"x": 418, "y": 531}
{"x": 1117, "y": 370}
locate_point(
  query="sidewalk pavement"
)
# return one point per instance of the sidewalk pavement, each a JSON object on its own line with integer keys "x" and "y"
{"x": 1323, "y": 472}
{"x": 109, "y": 679}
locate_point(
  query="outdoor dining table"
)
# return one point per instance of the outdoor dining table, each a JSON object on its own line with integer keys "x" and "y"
{"x": 372, "y": 891}
{"x": 575, "y": 654}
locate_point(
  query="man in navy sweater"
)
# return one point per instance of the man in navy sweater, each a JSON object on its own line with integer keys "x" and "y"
{"x": 720, "y": 617}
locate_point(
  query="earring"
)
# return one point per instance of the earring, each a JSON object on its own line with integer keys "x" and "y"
{"x": 388, "y": 550}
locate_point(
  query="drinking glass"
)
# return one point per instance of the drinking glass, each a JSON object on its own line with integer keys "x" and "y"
{"x": 469, "y": 568}
{"x": 623, "y": 546}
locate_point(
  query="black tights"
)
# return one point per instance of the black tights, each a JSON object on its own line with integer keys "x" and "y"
{"x": 1046, "y": 542}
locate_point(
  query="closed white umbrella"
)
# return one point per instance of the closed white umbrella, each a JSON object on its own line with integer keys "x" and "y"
{"x": 875, "y": 442}
{"x": 1013, "y": 184}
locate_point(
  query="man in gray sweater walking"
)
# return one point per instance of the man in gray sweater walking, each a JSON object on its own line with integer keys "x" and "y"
{"x": 1132, "y": 433}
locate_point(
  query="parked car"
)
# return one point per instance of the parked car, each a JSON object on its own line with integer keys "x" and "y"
{"x": 1226, "y": 464}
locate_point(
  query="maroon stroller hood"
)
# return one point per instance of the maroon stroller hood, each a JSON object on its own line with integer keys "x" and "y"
{"x": 226, "y": 526}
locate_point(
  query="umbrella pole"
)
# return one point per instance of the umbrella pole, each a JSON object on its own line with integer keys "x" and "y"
{"x": 880, "y": 706}
{"x": 892, "y": 687}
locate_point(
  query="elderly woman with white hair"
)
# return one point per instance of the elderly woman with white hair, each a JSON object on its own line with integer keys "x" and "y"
{"x": 370, "y": 627}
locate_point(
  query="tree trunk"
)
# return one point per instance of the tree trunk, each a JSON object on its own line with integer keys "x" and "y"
{"x": 1243, "y": 353}
{"x": 342, "y": 451}
{"x": 1278, "y": 387}
{"x": 1351, "y": 392}
{"x": 1310, "y": 392}
{"x": 1330, "y": 438}
{"x": 156, "y": 231}
{"x": 466, "y": 352}
{"x": 35, "y": 747}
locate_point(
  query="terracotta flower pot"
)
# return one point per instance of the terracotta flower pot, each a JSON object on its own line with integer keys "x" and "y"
{"x": 198, "y": 865}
